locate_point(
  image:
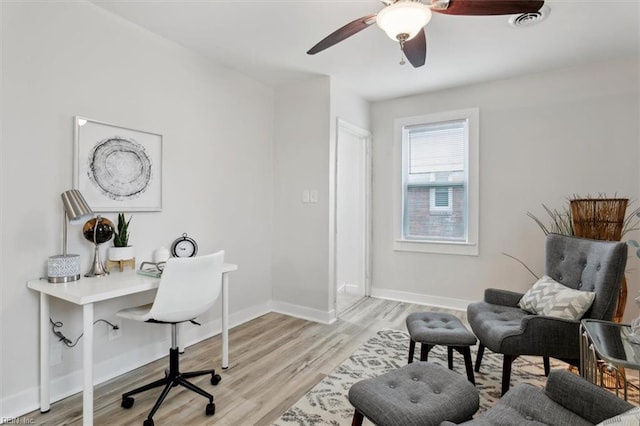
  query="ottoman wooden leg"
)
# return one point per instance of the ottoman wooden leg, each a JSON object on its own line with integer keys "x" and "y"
{"x": 358, "y": 418}
{"x": 450, "y": 357}
{"x": 424, "y": 351}
{"x": 479, "y": 357}
{"x": 412, "y": 350}
{"x": 466, "y": 351}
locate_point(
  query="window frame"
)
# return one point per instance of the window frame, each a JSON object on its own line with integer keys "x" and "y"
{"x": 470, "y": 246}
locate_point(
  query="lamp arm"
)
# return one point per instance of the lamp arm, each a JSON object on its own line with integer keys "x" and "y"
{"x": 64, "y": 232}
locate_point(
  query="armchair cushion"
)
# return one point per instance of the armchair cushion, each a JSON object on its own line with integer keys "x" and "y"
{"x": 549, "y": 298}
{"x": 527, "y": 404}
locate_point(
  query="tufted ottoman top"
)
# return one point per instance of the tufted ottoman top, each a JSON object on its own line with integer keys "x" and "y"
{"x": 421, "y": 393}
{"x": 439, "y": 328}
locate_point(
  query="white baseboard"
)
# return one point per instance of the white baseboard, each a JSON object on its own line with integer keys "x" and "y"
{"x": 350, "y": 289}
{"x": 303, "y": 312}
{"x": 193, "y": 335}
{"x": 67, "y": 385}
{"x": 421, "y": 299}
{"x": 16, "y": 405}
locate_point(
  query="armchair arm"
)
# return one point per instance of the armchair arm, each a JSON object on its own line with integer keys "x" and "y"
{"x": 545, "y": 336}
{"x": 502, "y": 297}
{"x": 589, "y": 401}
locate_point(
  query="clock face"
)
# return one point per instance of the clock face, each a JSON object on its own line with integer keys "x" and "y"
{"x": 184, "y": 247}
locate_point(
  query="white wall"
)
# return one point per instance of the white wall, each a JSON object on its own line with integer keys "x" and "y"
{"x": 543, "y": 138}
{"x": 305, "y": 138}
{"x": 300, "y": 252}
{"x": 61, "y": 59}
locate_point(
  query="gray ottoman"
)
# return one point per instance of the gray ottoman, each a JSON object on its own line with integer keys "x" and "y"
{"x": 439, "y": 328}
{"x": 421, "y": 393}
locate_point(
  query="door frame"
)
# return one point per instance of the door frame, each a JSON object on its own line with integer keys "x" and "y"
{"x": 365, "y": 135}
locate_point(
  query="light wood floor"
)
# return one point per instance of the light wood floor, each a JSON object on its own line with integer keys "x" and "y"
{"x": 274, "y": 360}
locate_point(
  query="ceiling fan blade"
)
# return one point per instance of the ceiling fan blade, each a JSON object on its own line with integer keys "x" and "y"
{"x": 342, "y": 33}
{"x": 489, "y": 7}
{"x": 416, "y": 49}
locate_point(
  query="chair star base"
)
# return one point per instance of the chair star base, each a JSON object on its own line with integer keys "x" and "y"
{"x": 173, "y": 378}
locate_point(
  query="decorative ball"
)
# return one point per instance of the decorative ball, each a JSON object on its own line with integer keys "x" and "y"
{"x": 100, "y": 233}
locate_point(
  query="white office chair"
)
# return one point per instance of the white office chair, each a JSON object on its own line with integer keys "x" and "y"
{"x": 188, "y": 288}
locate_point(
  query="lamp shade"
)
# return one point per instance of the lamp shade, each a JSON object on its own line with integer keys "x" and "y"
{"x": 403, "y": 17}
{"x": 66, "y": 267}
{"x": 75, "y": 206}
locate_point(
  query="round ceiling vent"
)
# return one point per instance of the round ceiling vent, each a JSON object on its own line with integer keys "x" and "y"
{"x": 530, "y": 19}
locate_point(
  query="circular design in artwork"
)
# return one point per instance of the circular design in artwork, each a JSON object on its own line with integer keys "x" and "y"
{"x": 120, "y": 168}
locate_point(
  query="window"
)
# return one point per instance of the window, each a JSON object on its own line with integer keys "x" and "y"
{"x": 438, "y": 204}
{"x": 440, "y": 200}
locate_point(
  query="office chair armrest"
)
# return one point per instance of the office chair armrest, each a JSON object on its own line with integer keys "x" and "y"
{"x": 502, "y": 297}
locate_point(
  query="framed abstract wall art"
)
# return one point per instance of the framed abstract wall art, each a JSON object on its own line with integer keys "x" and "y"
{"x": 116, "y": 168}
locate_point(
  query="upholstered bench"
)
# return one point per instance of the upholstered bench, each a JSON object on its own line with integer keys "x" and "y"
{"x": 420, "y": 393}
{"x": 439, "y": 328}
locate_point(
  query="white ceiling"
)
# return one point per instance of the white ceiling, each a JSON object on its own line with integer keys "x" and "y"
{"x": 268, "y": 40}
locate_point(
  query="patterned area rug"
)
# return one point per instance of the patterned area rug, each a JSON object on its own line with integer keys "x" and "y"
{"x": 327, "y": 403}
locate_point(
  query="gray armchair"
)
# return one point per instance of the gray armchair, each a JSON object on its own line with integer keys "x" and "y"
{"x": 578, "y": 263}
{"x": 567, "y": 399}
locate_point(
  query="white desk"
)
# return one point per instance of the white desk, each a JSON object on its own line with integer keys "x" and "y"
{"x": 85, "y": 292}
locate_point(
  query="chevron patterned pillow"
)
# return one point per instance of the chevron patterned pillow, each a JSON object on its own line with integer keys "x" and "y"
{"x": 535, "y": 298}
{"x": 550, "y": 298}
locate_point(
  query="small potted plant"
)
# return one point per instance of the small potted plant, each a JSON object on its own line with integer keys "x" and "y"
{"x": 121, "y": 249}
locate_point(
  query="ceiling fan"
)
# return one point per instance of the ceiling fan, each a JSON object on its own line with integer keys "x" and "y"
{"x": 404, "y": 21}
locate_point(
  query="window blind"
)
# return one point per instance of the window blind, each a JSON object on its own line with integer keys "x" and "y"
{"x": 436, "y": 148}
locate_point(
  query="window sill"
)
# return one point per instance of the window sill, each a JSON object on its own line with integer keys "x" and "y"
{"x": 462, "y": 249}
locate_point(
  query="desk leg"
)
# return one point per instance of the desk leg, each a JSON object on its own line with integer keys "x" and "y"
{"x": 225, "y": 321}
{"x": 45, "y": 401}
{"x": 87, "y": 364}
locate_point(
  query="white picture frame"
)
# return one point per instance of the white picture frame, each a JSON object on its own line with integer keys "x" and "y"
{"x": 117, "y": 169}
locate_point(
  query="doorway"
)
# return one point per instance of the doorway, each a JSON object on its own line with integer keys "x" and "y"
{"x": 353, "y": 229}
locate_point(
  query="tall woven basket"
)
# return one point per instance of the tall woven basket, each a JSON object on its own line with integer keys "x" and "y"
{"x": 602, "y": 219}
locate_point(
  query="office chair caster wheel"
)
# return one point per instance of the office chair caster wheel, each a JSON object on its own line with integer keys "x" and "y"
{"x": 127, "y": 402}
{"x": 148, "y": 422}
{"x": 215, "y": 379}
{"x": 211, "y": 409}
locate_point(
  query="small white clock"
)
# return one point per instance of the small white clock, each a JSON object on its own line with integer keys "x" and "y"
{"x": 184, "y": 247}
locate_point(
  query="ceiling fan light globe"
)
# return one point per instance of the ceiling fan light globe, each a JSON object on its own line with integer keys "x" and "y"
{"x": 403, "y": 17}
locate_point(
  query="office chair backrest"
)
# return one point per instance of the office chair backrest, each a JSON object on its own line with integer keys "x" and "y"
{"x": 588, "y": 265}
{"x": 188, "y": 287}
